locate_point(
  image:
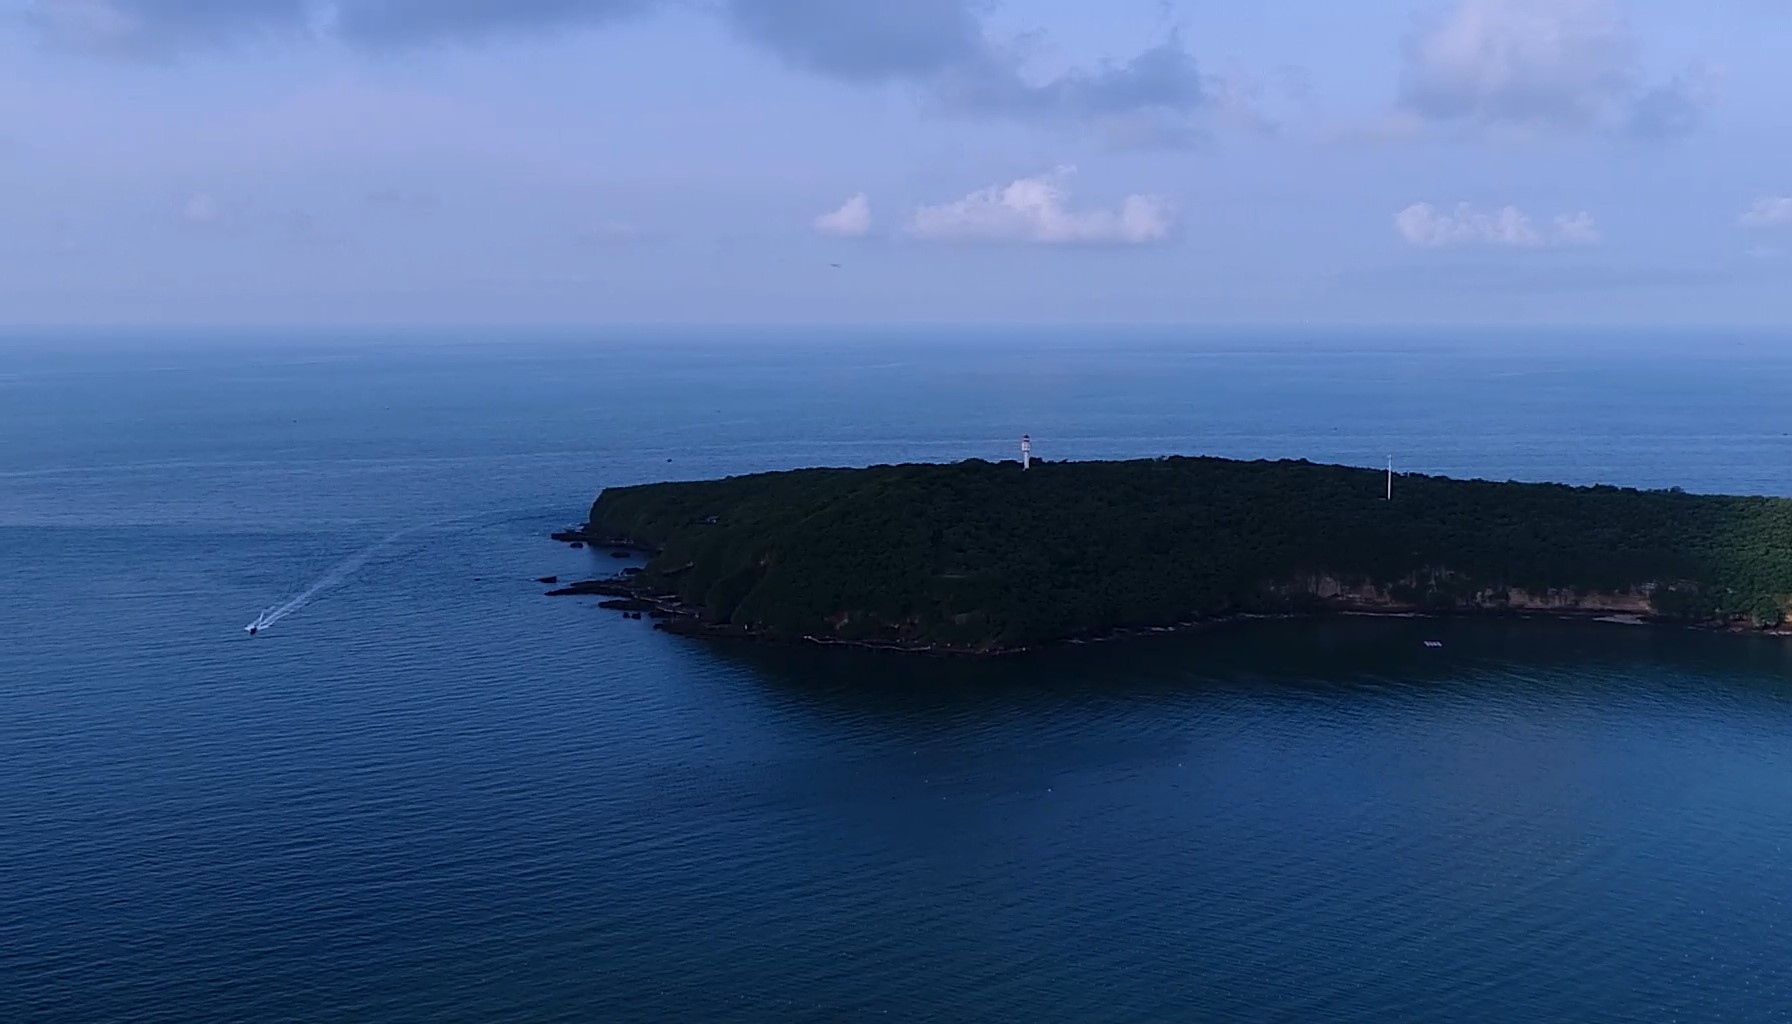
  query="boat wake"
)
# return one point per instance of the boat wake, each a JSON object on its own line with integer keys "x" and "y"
{"x": 341, "y": 571}
{"x": 338, "y": 573}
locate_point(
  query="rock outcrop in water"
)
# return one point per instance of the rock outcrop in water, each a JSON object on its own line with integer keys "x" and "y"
{"x": 983, "y": 557}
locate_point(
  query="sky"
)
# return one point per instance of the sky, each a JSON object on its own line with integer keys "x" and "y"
{"x": 570, "y": 162}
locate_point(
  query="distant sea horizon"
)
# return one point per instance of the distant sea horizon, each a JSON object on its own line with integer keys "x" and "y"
{"x": 430, "y": 793}
{"x": 1687, "y": 336}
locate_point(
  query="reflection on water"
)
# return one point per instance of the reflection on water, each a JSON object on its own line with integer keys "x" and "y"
{"x": 1344, "y": 656}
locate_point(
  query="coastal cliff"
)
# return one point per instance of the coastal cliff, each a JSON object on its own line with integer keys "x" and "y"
{"x": 986, "y": 557}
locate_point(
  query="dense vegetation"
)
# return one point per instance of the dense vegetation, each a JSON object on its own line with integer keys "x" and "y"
{"x": 978, "y": 554}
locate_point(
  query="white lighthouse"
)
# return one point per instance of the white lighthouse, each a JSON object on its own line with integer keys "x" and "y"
{"x": 1026, "y": 451}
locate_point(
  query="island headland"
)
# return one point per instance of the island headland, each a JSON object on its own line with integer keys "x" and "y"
{"x": 978, "y": 557}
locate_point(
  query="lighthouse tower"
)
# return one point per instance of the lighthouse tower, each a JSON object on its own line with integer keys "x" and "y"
{"x": 1026, "y": 451}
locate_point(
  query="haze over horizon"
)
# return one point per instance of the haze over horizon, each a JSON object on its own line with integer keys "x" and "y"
{"x": 297, "y": 162}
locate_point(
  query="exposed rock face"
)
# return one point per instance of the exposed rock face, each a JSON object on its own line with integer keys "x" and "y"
{"x": 627, "y": 604}
{"x": 1628, "y": 603}
{"x": 594, "y": 588}
{"x": 1434, "y": 593}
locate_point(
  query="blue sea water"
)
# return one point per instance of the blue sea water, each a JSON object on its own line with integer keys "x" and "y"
{"x": 431, "y": 794}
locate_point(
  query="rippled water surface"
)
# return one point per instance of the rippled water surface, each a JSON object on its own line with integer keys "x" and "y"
{"x": 431, "y": 794}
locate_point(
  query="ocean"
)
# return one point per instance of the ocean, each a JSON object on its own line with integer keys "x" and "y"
{"x": 428, "y": 793}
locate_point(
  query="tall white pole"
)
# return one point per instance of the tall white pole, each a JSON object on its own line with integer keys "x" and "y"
{"x": 1390, "y": 478}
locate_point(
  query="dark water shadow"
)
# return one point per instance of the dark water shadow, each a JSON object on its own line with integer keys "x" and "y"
{"x": 1333, "y": 657}
{"x": 872, "y": 735}
{"x": 1326, "y": 653}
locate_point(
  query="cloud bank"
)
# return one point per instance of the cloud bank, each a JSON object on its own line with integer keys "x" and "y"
{"x": 1428, "y": 226}
{"x": 1558, "y": 65}
{"x": 942, "y": 48}
{"x": 1037, "y": 211}
{"x": 157, "y": 26}
{"x": 1771, "y": 211}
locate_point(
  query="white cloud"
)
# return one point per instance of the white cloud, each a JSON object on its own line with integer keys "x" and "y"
{"x": 1036, "y": 210}
{"x": 1544, "y": 64}
{"x": 1425, "y": 225}
{"x": 202, "y": 209}
{"x": 1771, "y": 211}
{"x": 1577, "y": 229}
{"x": 851, "y": 220}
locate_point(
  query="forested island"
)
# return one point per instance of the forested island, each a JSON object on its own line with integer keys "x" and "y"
{"x": 987, "y": 557}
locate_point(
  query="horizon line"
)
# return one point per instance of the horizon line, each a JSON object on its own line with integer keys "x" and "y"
{"x": 9, "y": 330}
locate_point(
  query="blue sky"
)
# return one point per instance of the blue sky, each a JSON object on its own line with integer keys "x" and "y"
{"x": 299, "y": 162}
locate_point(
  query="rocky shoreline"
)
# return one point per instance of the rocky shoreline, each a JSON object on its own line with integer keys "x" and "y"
{"x": 585, "y": 536}
{"x": 631, "y": 594}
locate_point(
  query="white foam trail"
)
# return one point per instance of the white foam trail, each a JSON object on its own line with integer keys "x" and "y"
{"x": 342, "y": 570}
